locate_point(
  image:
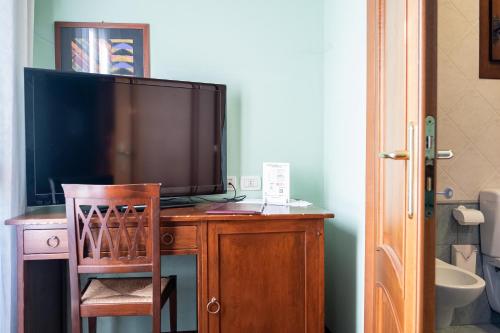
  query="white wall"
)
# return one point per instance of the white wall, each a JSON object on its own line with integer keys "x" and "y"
{"x": 344, "y": 161}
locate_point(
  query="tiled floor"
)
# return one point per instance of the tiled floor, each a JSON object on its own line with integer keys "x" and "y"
{"x": 471, "y": 329}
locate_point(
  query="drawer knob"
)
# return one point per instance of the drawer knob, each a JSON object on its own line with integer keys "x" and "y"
{"x": 213, "y": 306}
{"x": 53, "y": 242}
{"x": 168, "y": 239}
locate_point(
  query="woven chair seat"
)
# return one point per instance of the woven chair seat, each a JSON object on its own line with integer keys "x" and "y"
{"x": 121, "y": 291}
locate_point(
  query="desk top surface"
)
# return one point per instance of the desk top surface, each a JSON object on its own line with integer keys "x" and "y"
{"x": 57, "y": 215}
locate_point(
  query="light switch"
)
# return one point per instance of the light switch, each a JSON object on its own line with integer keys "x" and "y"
{"x": 250, "y": 183}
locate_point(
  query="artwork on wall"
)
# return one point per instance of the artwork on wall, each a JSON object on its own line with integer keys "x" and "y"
{"x": 489, "y": 39}
{"x": 106, "y": 48}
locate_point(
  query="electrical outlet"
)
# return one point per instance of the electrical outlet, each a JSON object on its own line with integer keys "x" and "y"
{"x": 250, "y": 183}
{"x": 231, "y": 180}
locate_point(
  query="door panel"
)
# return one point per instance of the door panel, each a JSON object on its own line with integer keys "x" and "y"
{"x": 387, "y": 318}
{"x": 395, "y": 232}
{"x": 394, "y": 125}
{"x": 389, "y": 291}
{"x": 392, "y": 174}
{"x": 281, "y": 262}
{"x": 267, "y": 277}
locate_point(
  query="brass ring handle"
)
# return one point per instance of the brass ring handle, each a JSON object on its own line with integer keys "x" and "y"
{"x": 53, "y": 242}
{"x": 168, "y": 239}
{"x": 213, "y": 302}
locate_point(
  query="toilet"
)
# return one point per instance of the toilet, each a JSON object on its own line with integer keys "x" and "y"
{"x": 489, "y": 204}
{"x": 455, "y": 287}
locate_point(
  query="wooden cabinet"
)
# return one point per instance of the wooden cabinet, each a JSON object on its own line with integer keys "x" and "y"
{"x": 265, "y": 276}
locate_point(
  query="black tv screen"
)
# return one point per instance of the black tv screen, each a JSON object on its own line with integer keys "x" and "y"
{"x": 102, "y": 129}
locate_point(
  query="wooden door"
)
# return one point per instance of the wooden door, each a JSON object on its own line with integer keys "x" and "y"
{"x": 399, "y": 251}
{"x": 265, "y": 277}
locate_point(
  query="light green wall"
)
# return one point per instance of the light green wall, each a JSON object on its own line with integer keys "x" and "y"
{"x": 270, "y": 55}
{"x": 344, "y": 161}
{"x": 295, "y": 72}
{"x": 268, "y": 52}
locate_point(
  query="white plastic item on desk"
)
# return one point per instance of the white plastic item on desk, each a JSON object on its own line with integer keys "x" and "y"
{"x": 290, "y": 203}
{"x": 467, "y": 216}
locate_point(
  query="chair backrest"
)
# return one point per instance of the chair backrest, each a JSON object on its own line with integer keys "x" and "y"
{"x": 113, "y": 228}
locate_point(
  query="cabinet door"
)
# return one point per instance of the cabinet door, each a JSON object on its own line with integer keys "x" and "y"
{"x": 267, "y": 276}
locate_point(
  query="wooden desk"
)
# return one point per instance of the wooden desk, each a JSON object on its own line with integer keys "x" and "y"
{"x": 266, "y": 271}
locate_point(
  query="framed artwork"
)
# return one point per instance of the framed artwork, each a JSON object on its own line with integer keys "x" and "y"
{"x": 106, "y": 48}
{"x": 489, "y": 39}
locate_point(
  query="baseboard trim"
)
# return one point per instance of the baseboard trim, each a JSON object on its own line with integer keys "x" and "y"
{"x": 326, "y": 331}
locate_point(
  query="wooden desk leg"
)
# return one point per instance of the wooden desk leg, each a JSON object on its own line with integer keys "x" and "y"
{"x": 201, "y": 276}
{"x": 21, "y": 268}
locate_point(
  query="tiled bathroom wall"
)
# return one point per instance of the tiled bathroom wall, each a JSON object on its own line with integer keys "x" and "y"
{"x": 468, "y": 124}
{"x": 468, "y": 107}
{"x": 449, "y": 232}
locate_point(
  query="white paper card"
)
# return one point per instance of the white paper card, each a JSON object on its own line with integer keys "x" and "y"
{"x": 291, "y": 203}
{"x": 276, "y": 183}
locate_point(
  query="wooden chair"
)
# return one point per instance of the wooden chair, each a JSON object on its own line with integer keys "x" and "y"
{"x": 108, "y": 233}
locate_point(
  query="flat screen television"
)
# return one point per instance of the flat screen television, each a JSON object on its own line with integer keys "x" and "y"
{"x": 102, "y": 129}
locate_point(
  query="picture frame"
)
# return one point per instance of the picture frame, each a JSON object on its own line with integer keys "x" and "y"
{"x": 489, "y": 39}
{"x": 101, "y": 47}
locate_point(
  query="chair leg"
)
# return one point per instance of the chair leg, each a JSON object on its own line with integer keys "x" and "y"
{"x": 76, "y": 322}
{"x": 92, "y": 324}
{"x": 173, "y": 310}
{"x": 156, "y": 324}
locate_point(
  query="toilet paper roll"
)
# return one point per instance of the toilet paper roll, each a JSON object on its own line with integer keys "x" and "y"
{"x": 467, "y": 216}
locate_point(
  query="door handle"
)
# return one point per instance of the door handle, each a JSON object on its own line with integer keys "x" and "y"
{"x": 395, "y": 155}
{"x": 406, "y": 155}
{"x": 444, "y": 154}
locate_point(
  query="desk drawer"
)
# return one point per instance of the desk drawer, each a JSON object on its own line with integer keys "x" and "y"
{"x": 45, "y": 241}
{"x": 178, "y": 238}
